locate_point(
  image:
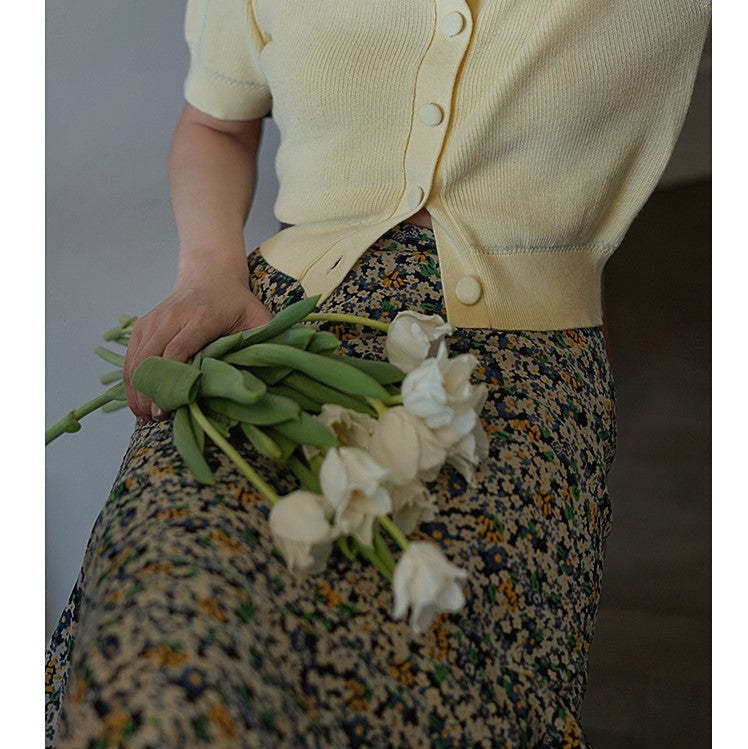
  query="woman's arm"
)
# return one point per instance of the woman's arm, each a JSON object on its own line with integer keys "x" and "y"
{"x": 212, "y": 178}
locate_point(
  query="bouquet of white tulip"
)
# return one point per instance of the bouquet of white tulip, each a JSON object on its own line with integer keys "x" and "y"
{"x": 362, "y": 436}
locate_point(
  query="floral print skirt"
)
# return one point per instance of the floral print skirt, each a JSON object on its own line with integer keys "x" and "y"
{"x": 185, "y": 627}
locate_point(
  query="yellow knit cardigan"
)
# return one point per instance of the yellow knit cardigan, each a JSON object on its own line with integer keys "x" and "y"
{"x": 533, "y": 131}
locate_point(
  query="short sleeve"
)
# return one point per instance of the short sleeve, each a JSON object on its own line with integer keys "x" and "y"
{"x": 225, "y": 79}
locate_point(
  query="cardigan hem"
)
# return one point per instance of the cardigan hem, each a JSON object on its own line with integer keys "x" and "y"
{"x": 529, "y": 290}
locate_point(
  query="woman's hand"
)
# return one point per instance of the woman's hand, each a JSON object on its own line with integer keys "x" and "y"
{"x": 212, "y": 177}
{"x": 194, "y": 314}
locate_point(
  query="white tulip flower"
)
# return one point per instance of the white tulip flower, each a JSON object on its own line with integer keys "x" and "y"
{"x": 440, "y": 392}
{"x": 468, "y": 452}
{"x": 465, "y": 420}
{"x": 413, "y": 337}
{"x": 352, "y": 481}
{"x": 426, "y": 580}
{"x": 352, "y": 428}
{"x": 405, "y": 444}
{"x": 412, "y": 504}
{"x": 302, "y": 531}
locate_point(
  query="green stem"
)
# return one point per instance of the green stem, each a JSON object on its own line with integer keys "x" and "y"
{"x": 394, "y": 531}
{"x": 372, "y": 556}
{"x": 383, "y": 551}
{"x": 113, "y": 334}
{"x": 69, "y": 423}
{"x": 377, "y": 405}
{"x": 112, "y": 357}
{"x": 394, "y": 400}
{"x": 355, "y": 319}
{"x": 345, "y": 548}
{"x": 303, "y": 473}
{"x": 315, "y": 462}
{"x": 241, "y": 464}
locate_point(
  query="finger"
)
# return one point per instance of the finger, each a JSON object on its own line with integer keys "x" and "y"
{"x": 188, "y": 341}
{"x": 185, "y": 344}
{"x": 130, "y": 355}
{"x": 154, "y": 345}
{"x": 139, "y": 404}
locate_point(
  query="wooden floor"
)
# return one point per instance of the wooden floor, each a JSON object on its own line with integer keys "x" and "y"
{"x": 650, "y": 669}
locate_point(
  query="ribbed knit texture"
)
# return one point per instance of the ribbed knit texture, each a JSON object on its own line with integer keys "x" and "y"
{"x": 559, "y": 117}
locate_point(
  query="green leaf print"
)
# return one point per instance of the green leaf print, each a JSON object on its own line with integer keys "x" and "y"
{"x": 560, "y": 340}
{"x": 268, "y": 719}
{"x": 347, "y": 608}
{"x": 386, "y": 305}
{"x": 434, "y": 721}
{"x": 428, "y": 269}
{"x": 202, "y": 729}
{"x": 440, "y": 673}
{"x": 246, "y": 611}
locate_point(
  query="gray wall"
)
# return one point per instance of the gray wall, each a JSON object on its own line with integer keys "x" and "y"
{"x": 114, "y": 92}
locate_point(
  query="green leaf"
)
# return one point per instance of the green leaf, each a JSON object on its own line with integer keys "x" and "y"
{"x": 221, "y": 380}
{"x": 306, "y": 430}
{"x": 270, "y": 409}
{"x": 169, "y": 384}
{"x": 189, "y": 447}
{"x": 304, "y": 474}
{"x": 287, "y": 317}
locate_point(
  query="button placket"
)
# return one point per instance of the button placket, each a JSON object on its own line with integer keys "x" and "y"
{"x": 435, "y": 84}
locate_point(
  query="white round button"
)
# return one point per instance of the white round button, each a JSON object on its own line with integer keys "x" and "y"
{"x": 431, "y": 114}
{"x": 468, "y": 290}
{"x": 415, "y": 196}
{"x": 453, "y": 23}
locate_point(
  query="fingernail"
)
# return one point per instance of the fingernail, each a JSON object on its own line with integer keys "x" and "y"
{"x": 157, "y": 413}
{"x": 141, "y": 421}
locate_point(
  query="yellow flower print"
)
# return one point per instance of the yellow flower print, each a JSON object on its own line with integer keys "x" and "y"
{"x": 572, "y": 337}
{"x": 401, "y": 671}
{"x": 49, "y": 673}
{"x": 543, "y": 500}
{"x": 357, "y": 701}
{"x": 507, "y": 588}
{"x": 332, "y": 597}
{"x": 212, "y": 608}
{"x": 243, "y": 495}
{"x": 219, "y": 715}
{"x": 392, "y": 280}
{"x": 487, "y": 529}
{"x": 166, "y": 655}
{"x": 225, "y": 540}
{"x": 572, "y": 737}
{"x": 439, "y": 635}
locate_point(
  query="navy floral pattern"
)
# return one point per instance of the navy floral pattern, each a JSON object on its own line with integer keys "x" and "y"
{"x": 185, "y": 627}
